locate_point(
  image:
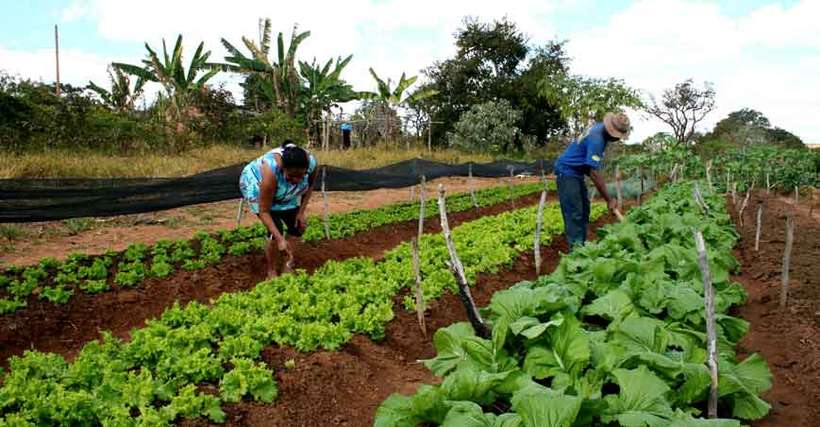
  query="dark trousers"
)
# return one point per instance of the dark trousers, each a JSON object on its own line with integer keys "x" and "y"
{"x": 574, "y": 199}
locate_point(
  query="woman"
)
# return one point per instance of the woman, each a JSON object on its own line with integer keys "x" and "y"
{"x": 278, "y": 186}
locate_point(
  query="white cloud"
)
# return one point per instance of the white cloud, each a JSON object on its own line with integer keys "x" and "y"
{"x": 76, "y": 67}
{"x": 654, "y": 44}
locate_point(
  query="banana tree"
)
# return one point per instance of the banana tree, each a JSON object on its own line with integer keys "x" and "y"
{"x": 169, "y": 71}
{"x": 323, "y": 88}
{"x": 388, "y": 99}
{"x": 277, "y": 80}
{"x": 121, "y": 97}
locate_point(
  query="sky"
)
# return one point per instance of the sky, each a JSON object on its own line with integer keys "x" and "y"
{"x": 758, "y": 54}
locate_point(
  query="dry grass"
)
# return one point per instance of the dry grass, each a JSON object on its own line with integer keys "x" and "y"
{"x": 89, "y": 163}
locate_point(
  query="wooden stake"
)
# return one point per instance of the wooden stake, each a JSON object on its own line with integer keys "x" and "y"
{"x": 239, "y": 212}
{"x": 470, "y": 185}
{"x": 421, "y": 205}
{"x": 420, "y": 308}
{"x": 413, "y": 193}
{"x": 711, "y": 330}
{"x": 796, "y": 195}
{"x": 759, "y": 222}
{"x": 768, "y": 186}
{"x": 640, "y": 172}
{"x": 787, "y": 255}
{"x": 538, "y": 223}
{"x": 458, "y": 272}
{"x": 734, "y": 195}
{"x": 618, "y": 188}
{"x": 709, "y": 175}
{"x": 743, "y": 206}
{"x": 727, "y": 183}
{"x": 510, "y": 185}
{"x": 699, "y": 199}
{"x": 326, "y": 213}
{"x": 429, "y": 137}
{"x": 674, "y": 173}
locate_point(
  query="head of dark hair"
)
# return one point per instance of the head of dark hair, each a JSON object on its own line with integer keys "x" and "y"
{"x": 294, "y": 156}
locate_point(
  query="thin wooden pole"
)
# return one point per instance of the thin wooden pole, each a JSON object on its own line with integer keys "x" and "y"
{"x": 326, "y": 213}
{"x": 420, "y": 308}
{"x": 470, "y": 185}
{"x": 429, "y": 137}
{"x": 734, "y": 195}
{"x": 458, "y": 272}
{"x": 510, "y": 186}
{"x": 57, "y": 59}
{"x": 618, "y": 188}
{"x": 699, "y": 199}
{"x": 711, "y": 330}
{"x": 796, "y": 195}
{"x": 757, "y": 227}
{"x": 539, "y": 219}
{"x": 422, "y": 197}
{"x": 640, "y": 172}
{"x": 787, "y": 255}
{"x": 709, "y": 175}
{"x": 768, "y": 186}
{"x": 413, "y": 193}
{"x": 743, "y": 205}
{"x": 239, "y": 212}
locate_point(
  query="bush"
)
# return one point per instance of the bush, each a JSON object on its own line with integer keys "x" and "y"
{"x": 488, "y": 128}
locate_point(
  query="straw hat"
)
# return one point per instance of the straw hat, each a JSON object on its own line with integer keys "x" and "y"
{"x": 617, "y": 125}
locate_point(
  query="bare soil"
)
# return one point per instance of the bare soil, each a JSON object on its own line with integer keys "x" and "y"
{"x": 96, "y": 235}
{"x": 345, "y": 387}
{"x": 789, "y": 339}
{"x": 66, "y": 328}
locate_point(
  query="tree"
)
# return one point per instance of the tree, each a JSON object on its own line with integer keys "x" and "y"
{"x": 121, "y": 97}
{"x": 323, "y": 88}
{"x": 277, "y": 81}
{"x": 581, "y": 100}
{"x": 387, "y": 99}
{"x": 488, "y": 127}
{"x": 750, "y": 127}
{"x": 179, "y": 84}
{"x": 683, "y": 107}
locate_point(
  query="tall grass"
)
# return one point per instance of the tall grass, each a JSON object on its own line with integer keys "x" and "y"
{"x": 85, "y": 163}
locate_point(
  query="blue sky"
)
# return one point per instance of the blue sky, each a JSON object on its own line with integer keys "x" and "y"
{"x": 759, "y": 54}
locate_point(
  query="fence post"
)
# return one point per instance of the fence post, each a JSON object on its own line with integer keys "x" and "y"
{"x": 470, "y": 185}
{"x": 458, "y": 272}
{"x": 743, "y": 205}
{"x": 711, "y": 330}
{"x": 239, "y": 212}
{"x": 796, "y": 195}
{"x": 709, "y": 175}
{"x": 768, "y": 186}
{"x": 326, "y": 210}
{"x": 618, "y": 188}
{"x": 539, "y": 220}
{"x": 787, "y": 255}
{"x": 422, "y": 201}
{"x": 759, "y": 222}
{"x": 510, "y": 185}
{"x": 420, "y": 309}
{"x": 640, "y": 172}
{"x": 699, "y": 199}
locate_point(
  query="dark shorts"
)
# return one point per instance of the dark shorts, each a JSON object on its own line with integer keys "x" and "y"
{"x": 287, "y": 218}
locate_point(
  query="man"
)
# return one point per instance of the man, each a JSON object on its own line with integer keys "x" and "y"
{"x": 583, "y": 158}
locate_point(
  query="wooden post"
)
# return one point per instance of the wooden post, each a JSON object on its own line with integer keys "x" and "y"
{"x": 538, "y": 223}
{"x": 326, "y": 214}
{"x": 618, "y": 188}
{"x": 673, "y": 175}
{"x": 413, "y": 193}
{"x": 734, "y": 195}
{"x": 699, "y": 199}
{"x": 239, "y": 212}
{"x": 470, "y": 185}
{"x": 57, "y": 59}
{"x": 420, "y": 308}
{"x": 711, "y": 330}
{"x": 429, "y": 137}
{"x": 787, "y": 255}
{"x": 421, "y": 205}
{"x": 759, "y": 222}
{"x": 743, "y": 206}
{"x": 727, "y": 183}
{"x": 768, "y": 186}
{"x": 510, "y": 186}
{"x": 458, "y": 272}
{"x": 796, "y": 195}
{"x": 709, "y": 175}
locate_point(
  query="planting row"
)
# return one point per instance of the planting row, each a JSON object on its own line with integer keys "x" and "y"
{"x": 56, "y": 281}
{"x": 160, "y": 374}
{"x": 614, "y": 336}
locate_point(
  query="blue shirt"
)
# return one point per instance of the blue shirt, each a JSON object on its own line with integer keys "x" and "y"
{"x": 346, "y": 126}
{"x": 584, "y": 155}
{"x": 288, "y": 196}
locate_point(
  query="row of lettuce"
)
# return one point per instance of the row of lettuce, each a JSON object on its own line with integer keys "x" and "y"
{"x": 57, "y": 281}
{"x": 160, "y": 375}
{"x": 614, "y": 336}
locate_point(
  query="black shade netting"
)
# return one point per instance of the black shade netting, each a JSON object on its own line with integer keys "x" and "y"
{"x": 30, "y": 200}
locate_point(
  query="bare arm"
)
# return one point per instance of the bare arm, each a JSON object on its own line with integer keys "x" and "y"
{"x": 308, "y": 193}
{"x": 600, "y": 184}
{"x": 266, "y": 191}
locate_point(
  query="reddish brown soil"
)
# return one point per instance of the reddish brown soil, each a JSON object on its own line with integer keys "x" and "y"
{"x": 344, "y": 388}
{"x": 788, "y": 339}
{"x": 64, "y": 329}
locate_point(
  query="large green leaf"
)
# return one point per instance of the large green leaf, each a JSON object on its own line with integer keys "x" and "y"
{"x": 541, "y": 407}
{"x": 642, "y": 401}
{"x": 742, "y": 383}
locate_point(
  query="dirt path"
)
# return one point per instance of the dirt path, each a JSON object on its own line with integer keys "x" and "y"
{"x": 344, "y": 388}
{"x": 64, "y": 329}
{"x": 788, "y": 339}
{"x": 96, "y": 235}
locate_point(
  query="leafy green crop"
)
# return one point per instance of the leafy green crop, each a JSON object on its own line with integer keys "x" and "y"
{"x": 91, "y": 274}
{"x": 614, "y": 336}
{"x": 152, "y": 379}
